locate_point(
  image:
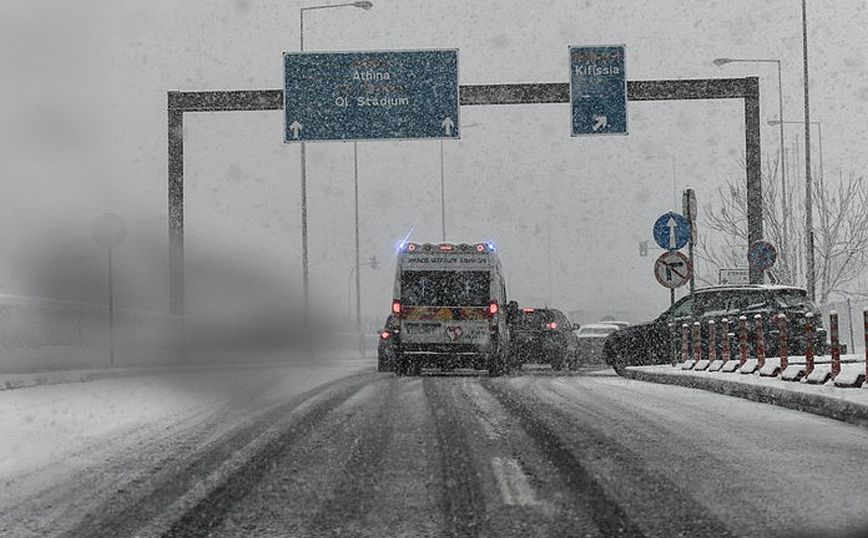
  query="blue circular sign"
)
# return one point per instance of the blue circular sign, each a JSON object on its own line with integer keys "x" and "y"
{"x": 762, "y": 255}
{"x": 671, "y": 231}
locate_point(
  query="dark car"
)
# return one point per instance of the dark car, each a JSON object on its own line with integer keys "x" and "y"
{"x": 651, "y": 343}
{"x": 544, "y": 335}
{"x": 388, "y": 341}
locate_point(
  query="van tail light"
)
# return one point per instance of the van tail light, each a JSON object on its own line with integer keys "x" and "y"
{"x": 385, "y": 335}
{"x": 396, "y": 306}
{"x": 493, "y": 309}
{"x": 552, "y": 326}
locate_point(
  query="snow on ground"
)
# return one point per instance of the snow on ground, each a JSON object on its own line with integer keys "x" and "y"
{"x": 53, "y": 432}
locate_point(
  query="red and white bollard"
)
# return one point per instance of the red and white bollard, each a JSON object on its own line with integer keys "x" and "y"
{"x": 712, "y": 341}
{"x": 685, "y": 342}
{"x": 836, "y": 347}
{"x": 724, "y": 351}
{"x": 742, "y": 340}
{"x": 809, "y": 343}
{"x": 697, "y": 341}
{"x": 760, "y": 341}
{"x": 783, "y": 340}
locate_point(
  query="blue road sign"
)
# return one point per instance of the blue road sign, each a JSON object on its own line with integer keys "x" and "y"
{"x": 598, "y": 90}
{"x": 762, "y": 255}
{"x": 671, "y": 231}
{"x": 371, "y": 95}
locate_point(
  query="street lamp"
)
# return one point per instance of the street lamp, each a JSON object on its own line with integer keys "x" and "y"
{"x": 443, "y": 185}
{"x": 809, "y": 196}
{"x": 362, "y": 4}
{"x": 819, "y": 138}
{"x": 719, "y": 62}
{"x": 674, "y": 191}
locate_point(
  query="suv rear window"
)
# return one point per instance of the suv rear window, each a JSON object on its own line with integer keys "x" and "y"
{"x": 533, "y": 320}
{"x": 793, "y": 298}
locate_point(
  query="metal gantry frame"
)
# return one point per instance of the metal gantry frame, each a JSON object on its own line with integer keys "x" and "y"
{"x": 180, "y": 102}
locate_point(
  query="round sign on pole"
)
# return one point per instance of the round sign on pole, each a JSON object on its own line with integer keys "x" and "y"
{"x": 672, "y": 269}
{"x": 671, "y": 231}
{"x": 109, "y": 230}
{"x": 762, "y": 255}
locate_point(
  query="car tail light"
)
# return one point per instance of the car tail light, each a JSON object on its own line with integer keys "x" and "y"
{"x": 385, "y": 335}
{"x": 396, "y": 306}
{"x": 552, "y": 326}
{"x": 492, "y": 309}
{"x": 527, "y": 310}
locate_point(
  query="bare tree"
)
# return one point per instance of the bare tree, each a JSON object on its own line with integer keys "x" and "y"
{"x": 840, "y": 234}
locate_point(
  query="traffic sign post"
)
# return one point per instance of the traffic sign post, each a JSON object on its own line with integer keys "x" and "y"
{"x": 672, "y": 269}
{"x": 370, "y": 95}
{"x": 671, "y": 231}
{"x": 598, "y": 90}
{"x": 688, "y": 207}
{"x": 109, "y": 231}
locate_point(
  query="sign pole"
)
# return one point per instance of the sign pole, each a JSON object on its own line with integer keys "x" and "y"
{"x": 111, "y": 310}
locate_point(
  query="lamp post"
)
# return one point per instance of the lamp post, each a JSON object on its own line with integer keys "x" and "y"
{"x": 809, "y": 199}
{"x": 366, "y": 5}
{"x": 674, "y": 191}
{"x": 443, "y": 186}
{"x": 819, "y": 138}
{"x": 723, "y": 61}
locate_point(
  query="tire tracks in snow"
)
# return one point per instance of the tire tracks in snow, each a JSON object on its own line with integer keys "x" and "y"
{"x": 192, "y": 496}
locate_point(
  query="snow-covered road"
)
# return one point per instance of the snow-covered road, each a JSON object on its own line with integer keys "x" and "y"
{"x": 369, "y": 454}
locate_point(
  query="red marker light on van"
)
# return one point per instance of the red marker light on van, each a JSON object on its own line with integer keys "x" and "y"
{"x": 446, "y": 247}
{"x": 396, "y": 306}
{"x": 411, "y": 247}
{"x": 480, "y": 248}
{"x": 385, "y": 335}
{"x": 492, "y": 308}
{"x": 553, "y": 325}
{"x": 528, "y": 310}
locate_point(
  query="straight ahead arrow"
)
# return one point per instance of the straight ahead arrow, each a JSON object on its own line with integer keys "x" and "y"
{"x": 447, "y": 126}
{"x": 673, "y": 239}
{"x": 296, "y": 128}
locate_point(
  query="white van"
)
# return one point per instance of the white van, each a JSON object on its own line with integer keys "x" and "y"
{"x": 451, "y": 300}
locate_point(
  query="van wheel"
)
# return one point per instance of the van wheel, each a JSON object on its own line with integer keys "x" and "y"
{"x": 496, "y": 364}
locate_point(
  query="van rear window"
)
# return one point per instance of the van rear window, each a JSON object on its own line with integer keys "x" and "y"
{"x": 445, "y": 288}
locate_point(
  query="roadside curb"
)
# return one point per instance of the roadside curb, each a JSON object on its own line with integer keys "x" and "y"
{"x": 830, "y": 407}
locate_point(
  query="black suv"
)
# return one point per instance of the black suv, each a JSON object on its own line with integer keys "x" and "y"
{"x": 650, "y": 343}
{"x": 544, "y": 335}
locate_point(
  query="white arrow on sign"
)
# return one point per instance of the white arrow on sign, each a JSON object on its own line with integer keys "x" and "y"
{"x": 447, "y": 126}
{"x": 296, "y": 128}
{"x": 673, "y": 239}
{"x": 600, "y": 123}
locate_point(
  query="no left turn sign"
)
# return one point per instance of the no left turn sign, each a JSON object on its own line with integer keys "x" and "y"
{"x": 672, "y": 269}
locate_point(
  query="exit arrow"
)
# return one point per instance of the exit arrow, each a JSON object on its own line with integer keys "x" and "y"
{"x": 296, "y": 128}
{"x": 447, "y": 126}
{"x": 600, "y": 123}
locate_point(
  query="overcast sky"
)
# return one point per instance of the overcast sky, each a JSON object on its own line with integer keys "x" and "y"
{"x": 83, "y": 131}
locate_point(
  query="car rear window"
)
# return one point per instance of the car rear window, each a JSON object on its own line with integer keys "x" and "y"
{"x": 533, "y": 320}
{"x": 793, "y": 298}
